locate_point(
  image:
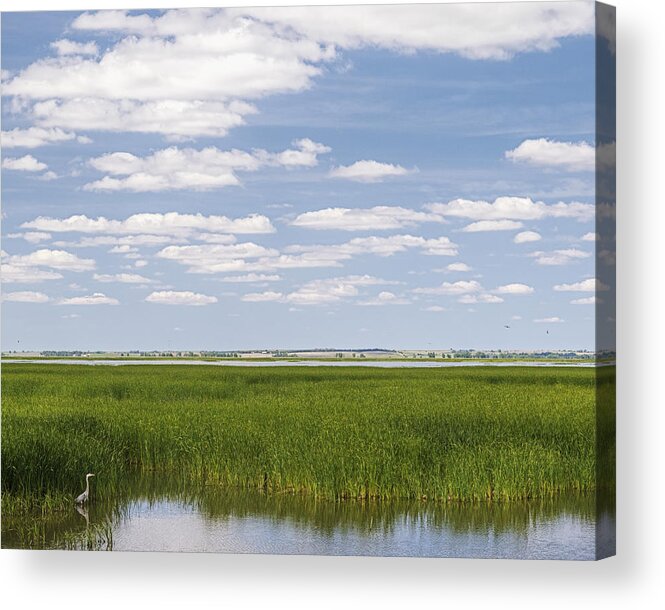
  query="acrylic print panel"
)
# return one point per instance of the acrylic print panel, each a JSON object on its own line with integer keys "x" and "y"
{"x": 324, "y": 280}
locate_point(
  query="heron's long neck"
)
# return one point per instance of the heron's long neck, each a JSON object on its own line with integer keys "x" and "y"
{"x": 87, "y": 485}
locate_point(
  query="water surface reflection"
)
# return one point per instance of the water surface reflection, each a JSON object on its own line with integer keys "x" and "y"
{"x": 158, "y": 517}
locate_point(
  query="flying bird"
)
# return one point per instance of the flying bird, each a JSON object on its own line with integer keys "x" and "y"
{"x": 86, "y": 494}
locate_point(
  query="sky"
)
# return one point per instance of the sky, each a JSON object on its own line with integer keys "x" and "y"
{"x": 403, "y": 177}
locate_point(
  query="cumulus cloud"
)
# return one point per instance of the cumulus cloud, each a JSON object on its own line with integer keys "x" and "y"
{"x": 210, "y": 168}
{"x": 326, "y": 291}
{"x": 26, "y": 163}
{"x": 434, "y": 308}
{"x": 71, "y": 47}
{"x": 187, "y": 73}
{"x": 186, "y": 297}
{"x": 384, "y": 298}
{"x": 458, "y": 267}
{"x": 492, "y": 225}
{"x": 472, "y": 31}
{"x": 574, "y": 156}
{"x": 168, "y": 224}
{"x": 22, "y": 274}
{"x": 514, "y": 289}
{"x": 177, "y": 119}
{"x": 363, "y": 219}
{"x": 221, "y": 258}
{"x": 54, "y": 259}
{"x": 208, "y": 60}
{"x": 552, "y": 320}
{"x": 452, "y": 288}
{"x": 368, "y": 171}
{"x": 261, "y": 297}
{"x": 26, "y": 297}
{"x": 33, "y": 237}
{"x": 559, "y": 257}
{"x": 590, "y": 237}
{"x": 98, "y": 298}
{"x": 33, "y": 137}
{"x": 251, "y": 278}
{"x": 512, "y": 208}
{"x": 471, "y": 299}
{"x": 249, "y": 257}
{"x": 123, "y": 278}
{"x": 588, "y": 285}
{"x": 526, "y": 237}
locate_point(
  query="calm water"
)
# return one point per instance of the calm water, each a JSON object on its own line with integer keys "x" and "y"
{"x": 251, "y": 522}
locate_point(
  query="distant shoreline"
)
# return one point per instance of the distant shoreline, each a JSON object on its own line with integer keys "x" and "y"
{"x": 297, "y": 362}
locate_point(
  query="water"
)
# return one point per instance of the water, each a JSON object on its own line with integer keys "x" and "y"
{"x": 214, "y": 520}
{"x": 386, "y": 364}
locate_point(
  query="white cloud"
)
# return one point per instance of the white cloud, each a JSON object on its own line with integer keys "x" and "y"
{"x": 251, "y": 278}
{"x": 186, "y": 168}
{"x": 33, "y": 137}
{"x": 54, "y": 259}
{"x": 588, "y": 285}
{"x": 260, "y": 297}
{"x": 98, "y": 298}
{"x": 461, "y": 267}
{"x": 33, "y": 237}
{"x": 492, "y": 225}
{"x": 210, "y": 59}
{"x": 552, "y": 320}
{"x": 186, "y": 73}
{"x": 512, "y": 208}
{"x": 473, "y": 31}
{"x": 470, "y": 299}
{"x": 368, "y": 171}
{"x": 22, "y": 274}
{"x": 454, "y": 288}
{"x": 26, "y": 163}
{"x": 26, "y": 297}
{"x": 71, "y": 47}
{"x": 221, "y": 258}
{"x": 324, "y": 291}
{"x": 586, "y": 301}
{"x": 560, "y": 257}
{"x": 363, "y": 219}
{"x": 385, "y": 298}
{"x": 514, "y": 289}
{"x": 170, "y": 223}
{"x": 575, "y": 156}
{"x": 526, "y": 237}
{"x": 434, "y": 308}
{"x": 48, "y": 176}
{"x": 171, "y": 297}
{"x": 234, "y": 258}
{"x": 123, "y": 278}
{"x": 589, "y": 237}
{"x": 177, "y": 119}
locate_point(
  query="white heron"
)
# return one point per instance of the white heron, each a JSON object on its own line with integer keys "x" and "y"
{"x": 86, "y": 494}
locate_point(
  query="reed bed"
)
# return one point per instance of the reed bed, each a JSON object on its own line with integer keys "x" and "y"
{"x": 441, "y": 434}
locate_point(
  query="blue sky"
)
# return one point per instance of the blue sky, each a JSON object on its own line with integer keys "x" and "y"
{"x": 284, "y": 178}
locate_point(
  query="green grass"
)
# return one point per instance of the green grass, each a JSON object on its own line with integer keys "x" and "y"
{"x": 458, "y": 434}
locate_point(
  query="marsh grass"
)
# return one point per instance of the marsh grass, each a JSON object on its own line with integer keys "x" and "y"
{"x": 336, "y": 433}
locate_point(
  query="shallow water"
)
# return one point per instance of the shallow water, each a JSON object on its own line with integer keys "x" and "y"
{"x": 253, "y": 522}
{"x": 387, "y": 364}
